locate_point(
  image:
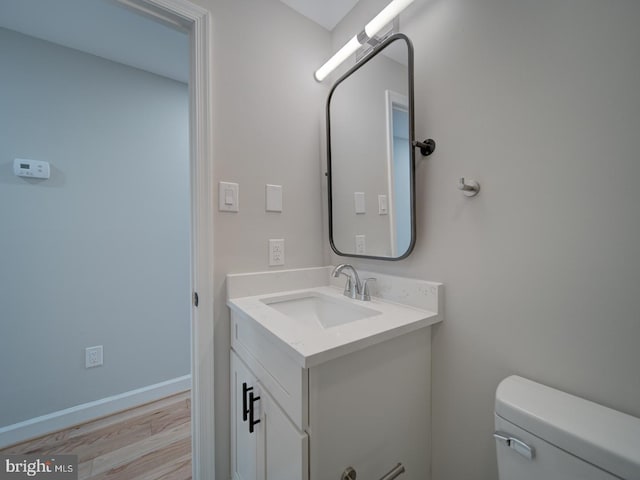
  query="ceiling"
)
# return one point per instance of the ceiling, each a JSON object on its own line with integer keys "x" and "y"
{"x": 109, "y": 30}
{"x": 102, "y": 28}
{"x": 324, "y": 12}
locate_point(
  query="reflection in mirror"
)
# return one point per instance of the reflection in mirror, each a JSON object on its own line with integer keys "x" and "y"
{"x": 370, "y": 158}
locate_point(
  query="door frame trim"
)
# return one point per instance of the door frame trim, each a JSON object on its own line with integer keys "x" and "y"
{"x": 197, "y": 21}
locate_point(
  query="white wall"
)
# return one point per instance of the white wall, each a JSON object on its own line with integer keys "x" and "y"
{"x": 266, "y": 130}
{"x": 99, "y": 253}
{"x": 539, "y": 102}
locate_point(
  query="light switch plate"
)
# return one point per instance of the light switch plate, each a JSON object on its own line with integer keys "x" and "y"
{"x": 228, "y": 197}
{"x": 273, "y": 198}
{"x": 358, "y": 199}
{"x": 383, "y": 205}
{"x": 361, "y": 245}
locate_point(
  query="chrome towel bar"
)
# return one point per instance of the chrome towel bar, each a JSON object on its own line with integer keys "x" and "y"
{"x": 395, "y": 472}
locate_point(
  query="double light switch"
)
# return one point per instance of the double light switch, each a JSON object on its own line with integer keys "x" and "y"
{"x": 229, "y": 197}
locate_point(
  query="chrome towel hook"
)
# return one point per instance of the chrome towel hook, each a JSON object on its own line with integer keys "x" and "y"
{"x": 470, "y": 189}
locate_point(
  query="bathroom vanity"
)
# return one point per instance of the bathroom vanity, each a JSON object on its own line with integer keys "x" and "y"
{"x": 321, "y": 382}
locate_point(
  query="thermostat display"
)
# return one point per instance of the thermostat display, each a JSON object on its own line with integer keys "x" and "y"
{"x": 30, "y": 168}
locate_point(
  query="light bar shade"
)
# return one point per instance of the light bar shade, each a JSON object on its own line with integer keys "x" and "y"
{"x": 340, "y": 56}
{"x": 387, "y": 14}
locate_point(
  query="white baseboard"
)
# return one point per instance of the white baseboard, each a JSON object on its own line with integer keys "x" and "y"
{"x": 52, "y": 422}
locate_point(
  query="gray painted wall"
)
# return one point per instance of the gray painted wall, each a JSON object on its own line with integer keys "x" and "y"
{"x": 99, "y": 253}
{"x": 266, "y": 130}
{"x": 539, "y": 102}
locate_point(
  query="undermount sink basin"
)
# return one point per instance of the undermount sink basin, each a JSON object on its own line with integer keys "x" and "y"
{"x": 315, "y": 307}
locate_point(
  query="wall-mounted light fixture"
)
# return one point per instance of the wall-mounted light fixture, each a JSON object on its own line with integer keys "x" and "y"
{"x": 387, "y": 14}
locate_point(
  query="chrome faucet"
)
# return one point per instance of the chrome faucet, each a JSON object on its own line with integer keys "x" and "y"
{"x": 353, "y": 288}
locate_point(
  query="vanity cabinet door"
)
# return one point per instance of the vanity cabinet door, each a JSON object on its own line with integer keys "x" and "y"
{"x": 285, "y": 452}
{"x": 244, "y": 444}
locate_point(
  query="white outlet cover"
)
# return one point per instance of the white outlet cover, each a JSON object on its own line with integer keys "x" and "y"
{"x": 276, "y": 252}
{"x": 93, "y": 356}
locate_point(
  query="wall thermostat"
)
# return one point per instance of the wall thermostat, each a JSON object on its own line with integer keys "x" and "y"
{"x": 23, "y": 167}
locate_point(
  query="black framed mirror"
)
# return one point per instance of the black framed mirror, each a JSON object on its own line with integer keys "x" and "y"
{"x": 371, "y": 157}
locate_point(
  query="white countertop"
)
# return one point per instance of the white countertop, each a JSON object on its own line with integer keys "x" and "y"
{"x": 310, "y": 344}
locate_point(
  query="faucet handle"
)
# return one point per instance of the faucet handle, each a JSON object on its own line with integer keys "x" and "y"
{"x": 365, "y": 296}
{"x": 348, "y": 287}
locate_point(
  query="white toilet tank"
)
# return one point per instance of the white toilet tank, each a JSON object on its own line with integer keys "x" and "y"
{"x": 546, "y": 434}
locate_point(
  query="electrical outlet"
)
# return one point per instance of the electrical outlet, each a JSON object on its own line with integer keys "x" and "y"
{"x": 361, "y": 245}
{"x": 93, "y": 356}
{"x": 276, "y": 252}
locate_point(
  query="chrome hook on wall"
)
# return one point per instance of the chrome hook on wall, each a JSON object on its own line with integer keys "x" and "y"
{"x": 470, "y": 189}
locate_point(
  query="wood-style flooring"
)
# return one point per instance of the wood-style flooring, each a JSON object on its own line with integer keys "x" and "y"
{"x": 150, "y": 442}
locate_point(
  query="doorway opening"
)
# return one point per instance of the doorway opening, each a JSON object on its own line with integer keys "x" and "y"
{"x": 92, "y": 283}
{"x": 399, "y": 171}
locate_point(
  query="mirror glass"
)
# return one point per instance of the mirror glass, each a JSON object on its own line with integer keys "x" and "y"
{"x": 370, "y": 161}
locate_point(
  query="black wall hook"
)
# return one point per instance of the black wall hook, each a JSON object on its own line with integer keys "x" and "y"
{"x": 426, "y": 148}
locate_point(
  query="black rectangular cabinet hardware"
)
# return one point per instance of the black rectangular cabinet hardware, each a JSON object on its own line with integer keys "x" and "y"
{"x": 252, "y": 422}
{"x": 195, "y": 299}
{"x": 245, "y": 410}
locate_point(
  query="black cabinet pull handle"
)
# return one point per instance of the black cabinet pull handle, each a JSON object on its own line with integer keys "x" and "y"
{"x": 245, "y": 410}
{"x": 252, "y": 422}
